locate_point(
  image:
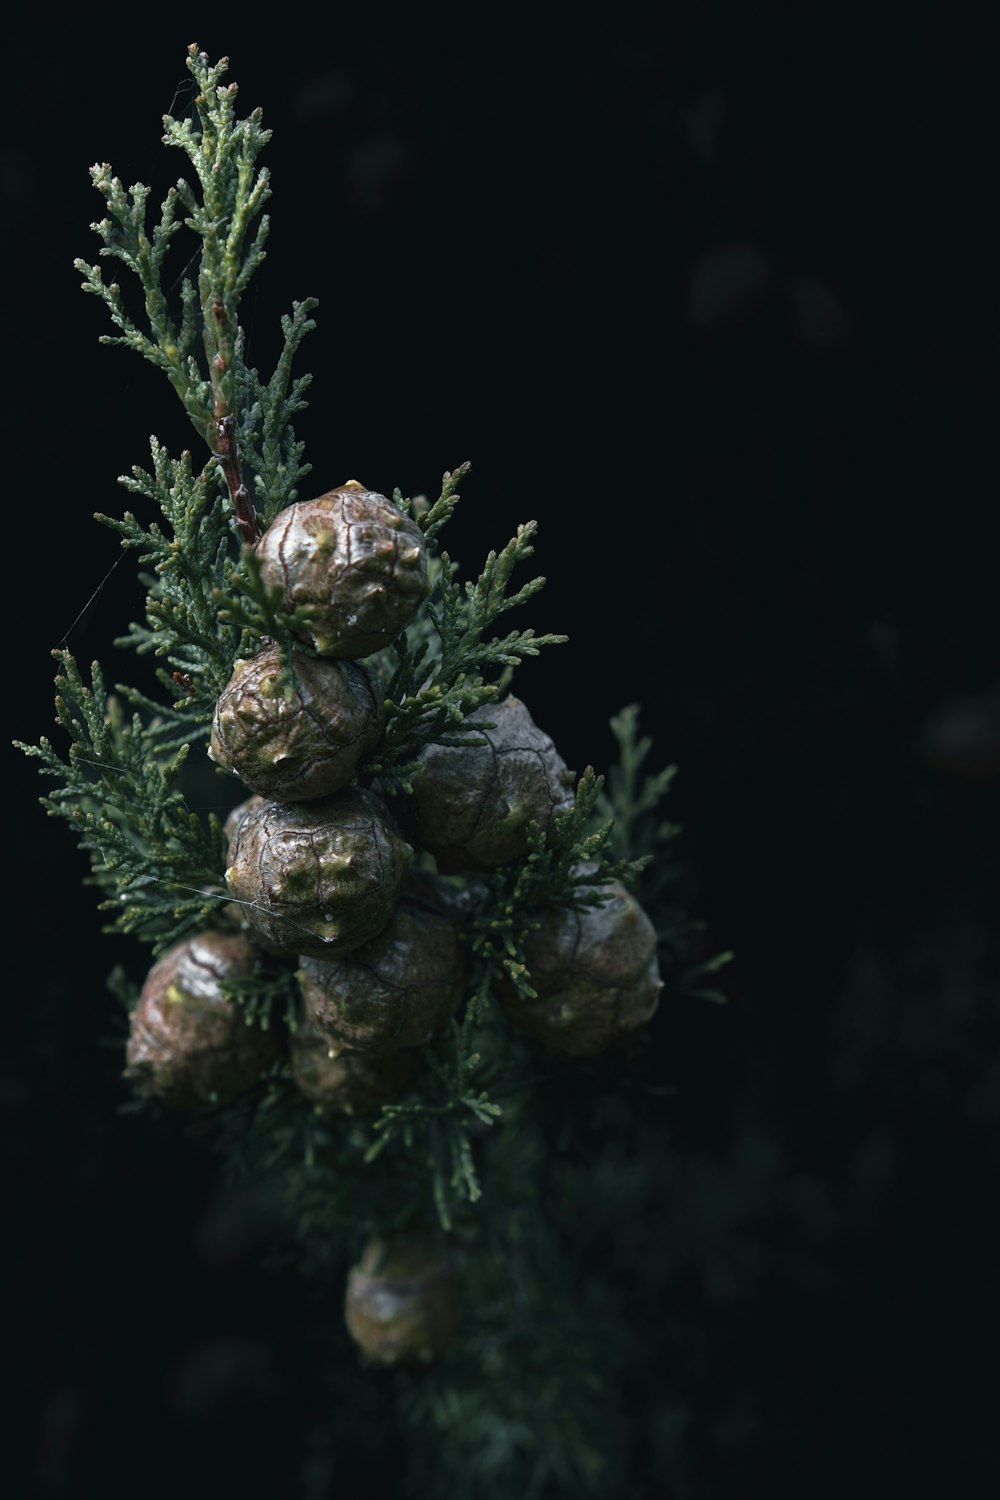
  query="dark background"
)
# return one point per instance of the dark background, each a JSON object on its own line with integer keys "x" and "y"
{"x": 711, "y": 292}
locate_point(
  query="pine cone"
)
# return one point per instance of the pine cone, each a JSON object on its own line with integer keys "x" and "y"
{"x": 403, "y": 1301}
{"x": 350, "y": 1083}
{"x": 354, "y": 560}
{"x": 596, "y": 975}
{"x": 394, "y": 991}
{"x": 471, "y": 803}
{"x": 189, "y": 1043}
{"x": 293, "y": 726}
{"x": 319, "y": 877}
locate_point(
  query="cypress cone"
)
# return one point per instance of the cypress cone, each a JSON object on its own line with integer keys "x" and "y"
{"x": 595, "y": 973}
{"x": 317, "y": 877}
{"x": 349, "y": 1083}
{"x": 189, "y": 1043}
{"x": 472, "y": 803}
{"x": 293, "y": 726}
{"x": 396, "y": 990}
{"x": 403, "y": 1299}
{"x": 354, "y": 561}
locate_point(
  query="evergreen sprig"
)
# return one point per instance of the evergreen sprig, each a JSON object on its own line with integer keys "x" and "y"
{"x": 267, "y": 997}
{"x": 566, "y": 865}
{"x": 632, "y": 797}
{"x": 265, "y": 432}
{"x": 448, "y": 664}
{"x": 630, "y": 808}
{"x": 431, "y": 519}
{"x": 191, "y": 557}
{"x": 516, "y": 1406}
{"x": 247, "y": 601}
{"x": 437, "y": 1124}
{"x": 157, "y": 862}
{"x": 145, "y": 844}
{"x": 196, "y": 349}
{"x": 245, "y": 421}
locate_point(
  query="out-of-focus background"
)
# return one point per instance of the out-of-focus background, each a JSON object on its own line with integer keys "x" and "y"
{"x": 711, "y": 292}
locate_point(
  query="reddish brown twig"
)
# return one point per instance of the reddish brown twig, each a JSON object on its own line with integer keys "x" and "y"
{"x": 227, "y": 452}
{"x": 229, "y": 460}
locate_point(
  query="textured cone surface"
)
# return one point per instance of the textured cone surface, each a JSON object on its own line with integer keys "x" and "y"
{"x": 395, "y": 991}
{"x": 354, "y": 560}
{"x": 596, "y": 975}
{"x": 293, "y": 726}
{"x": 318, "y": 877}
{"x": 472, "y": 803}
{"x": 235, "y": 817}
{"x": 189, "y": 1043}
{"x": 403, "y": 1302}
{"x": 232, "y": 910}
{"x": 350, "y": 1083}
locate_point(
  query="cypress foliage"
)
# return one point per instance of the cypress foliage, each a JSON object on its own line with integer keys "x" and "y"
{"x": 479, "y": 1148}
